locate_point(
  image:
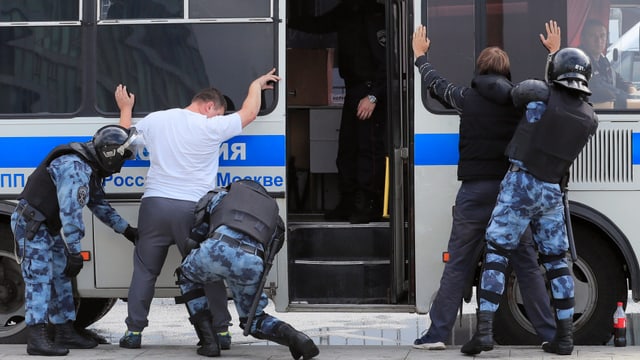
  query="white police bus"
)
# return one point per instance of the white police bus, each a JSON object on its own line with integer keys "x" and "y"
{"x": 60, "y": 62}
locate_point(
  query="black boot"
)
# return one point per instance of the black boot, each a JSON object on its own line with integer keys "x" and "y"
{"x": 363, "y": 209}
{"x": 38, "y": 342}
{"x": 562, "y": 343}
{"x": 482, "y": 340}
{"x": 300, "y": 345}
{"x": 342, "y": 212}
{"x": 66, "y": 336}
{"x": 209, "y": 345}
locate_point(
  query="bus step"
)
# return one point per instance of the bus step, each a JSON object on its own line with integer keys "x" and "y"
{"x": 335, "y": 263}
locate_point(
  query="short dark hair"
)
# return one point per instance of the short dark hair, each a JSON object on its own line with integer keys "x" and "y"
{"x": 210, "y": 94}
{"x": 592, "y": 23}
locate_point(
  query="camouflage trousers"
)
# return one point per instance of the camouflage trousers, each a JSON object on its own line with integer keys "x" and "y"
{"x": 524, "y": 200}
{"x": 48, "y": 292}
{"x": 214, "y": 260}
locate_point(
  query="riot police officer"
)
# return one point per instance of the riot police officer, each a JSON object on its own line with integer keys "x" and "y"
{"x": 238, "y": 231}
{"x": 557, "y": 123}
{"x": 47, "y": 225}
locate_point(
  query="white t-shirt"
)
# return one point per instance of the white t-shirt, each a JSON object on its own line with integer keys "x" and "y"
{"x": 184, "y": 148}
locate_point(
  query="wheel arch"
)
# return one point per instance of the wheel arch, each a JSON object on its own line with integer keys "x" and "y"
{"x": 619, "y": 239}
{"x": 6, "y": 209}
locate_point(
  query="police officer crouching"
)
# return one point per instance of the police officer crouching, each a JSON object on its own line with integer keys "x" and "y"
{"x": 236, "y": 235}
{"x": 50, "y": 206}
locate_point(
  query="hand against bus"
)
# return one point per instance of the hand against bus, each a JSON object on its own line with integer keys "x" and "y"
{"x": 125, "y": 103}
{"x": 552, "y": 41}
{"x": 268, "y": 80}
{"x": 420, "y": 41}
{"x": 123, "y": 98}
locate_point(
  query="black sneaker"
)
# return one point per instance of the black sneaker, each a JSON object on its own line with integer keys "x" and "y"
{"x": 342, "y": 212}
{"x": 224, "y": 339}
{"x": 131, "y": 340}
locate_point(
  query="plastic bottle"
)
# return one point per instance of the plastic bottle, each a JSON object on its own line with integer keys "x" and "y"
{"x": 619, "y": 327}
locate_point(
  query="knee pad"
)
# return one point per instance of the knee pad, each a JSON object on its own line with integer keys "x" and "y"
{"x": 498, "y": 266}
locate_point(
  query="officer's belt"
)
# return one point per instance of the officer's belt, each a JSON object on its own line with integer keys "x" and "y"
{"x": 28, "y": 212}
{"x": 237, "y": 244}
{"x": 32, "y": 217}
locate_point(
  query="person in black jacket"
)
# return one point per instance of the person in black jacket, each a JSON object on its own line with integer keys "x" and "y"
{"x": 360, "y": 25}
{"x": 488, "y": 120}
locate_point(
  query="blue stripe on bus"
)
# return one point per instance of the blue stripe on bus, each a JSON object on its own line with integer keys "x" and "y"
{"x": 436, "y": 149}
{"x": 442, "y": 149}
{"x": 243, "y": 150}
{"x": 261, "y": 150}
{"x": 635, "y": 150}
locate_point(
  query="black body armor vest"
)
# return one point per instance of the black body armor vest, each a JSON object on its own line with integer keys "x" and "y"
{"x": 549, "y": 146}
{"x": 248, "y": 210}
{"x": 40, "y": 191}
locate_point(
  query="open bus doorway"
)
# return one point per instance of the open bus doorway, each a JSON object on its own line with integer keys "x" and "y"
{"x": 361, "y": 263}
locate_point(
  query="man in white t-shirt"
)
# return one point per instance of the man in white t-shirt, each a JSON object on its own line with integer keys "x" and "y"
{"x": 183, "y": 146}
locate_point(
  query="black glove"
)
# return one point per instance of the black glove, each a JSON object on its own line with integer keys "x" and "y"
{"x": 74, "y": 265}
{"x": 131, "y": 234}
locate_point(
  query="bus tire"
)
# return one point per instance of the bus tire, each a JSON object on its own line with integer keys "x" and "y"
{"x": 600, "y": 282}
{"x": 90, "y": 310}
{"x": 12, "y": 325}
{"x": 12, "y": 296}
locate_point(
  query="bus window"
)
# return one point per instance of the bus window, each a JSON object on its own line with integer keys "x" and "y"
{"x": 166, "y": 63}
{"x": 513, "y": 25}
{"x": 155, "y": 9}
{"x": 39, "y": 10}
{"x": 40, "y": 44}
{"x": 450, "y": 26}
{"x": 229, "y": 9}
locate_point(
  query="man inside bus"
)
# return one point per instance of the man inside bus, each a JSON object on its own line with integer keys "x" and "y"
{"x": 609, "y": 90}
{"x": 183, "y": 147}
{"x": 360, "y": 25}
{"x": 488, "y": 120}
{"x": 48, "y": 225}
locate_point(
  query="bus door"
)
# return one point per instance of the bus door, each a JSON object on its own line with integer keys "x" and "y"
{"x": 337, "y": 264}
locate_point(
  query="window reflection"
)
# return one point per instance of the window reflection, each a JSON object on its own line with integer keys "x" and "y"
{"x": 40, "y": 70}
{"x": 39, "y": 10}
{"x": 165, "y": 65}
{"x": 142, "y": 9}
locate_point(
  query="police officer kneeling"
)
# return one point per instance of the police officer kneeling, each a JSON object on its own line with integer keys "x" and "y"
{"x": 50, "y": 206}
{"x": 237, "y": 233}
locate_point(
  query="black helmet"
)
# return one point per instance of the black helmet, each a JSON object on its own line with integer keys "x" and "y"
{"x": 571, "y": 68}
{"x": 113, "y": 145}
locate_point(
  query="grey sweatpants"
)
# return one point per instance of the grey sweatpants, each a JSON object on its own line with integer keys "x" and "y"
{"x": 163, "y": 222}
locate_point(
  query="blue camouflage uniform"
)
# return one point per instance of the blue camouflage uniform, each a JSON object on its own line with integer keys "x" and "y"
{"x": 49, "y": 295}
{"x": 234, "y": 256}
{"x": 216, "y": 260}
{"x": 525, "y": 200}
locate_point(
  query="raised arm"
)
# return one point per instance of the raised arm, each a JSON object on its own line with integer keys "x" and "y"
{"x": 420, "y": 41}
{"x": 125, "y": 103}
{"x": 552, "y": 41}
{"x": 251, "y": 105}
